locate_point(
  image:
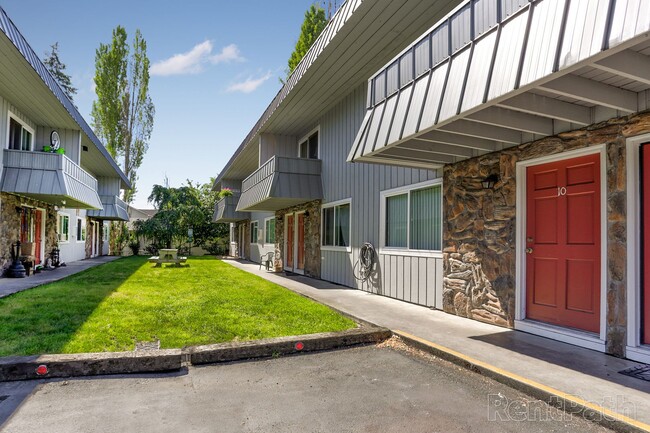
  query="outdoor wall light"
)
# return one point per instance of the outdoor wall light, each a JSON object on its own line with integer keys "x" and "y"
{"x": 488, "y": 182}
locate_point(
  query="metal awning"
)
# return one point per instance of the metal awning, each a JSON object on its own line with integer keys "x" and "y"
{"x": 50, "y": 178}
{"x": 490, "y": 77}
{"x": 281, "y": 182}
{"x": 225, "y": 210}
{"x": 115, "y": 209}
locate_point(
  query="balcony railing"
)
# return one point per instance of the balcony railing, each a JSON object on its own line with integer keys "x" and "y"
{"x": 115, "y": 209}
{"x": 226, "y": 210}
{"x": 49, "y": 177}
{"x": 281, "y": 182}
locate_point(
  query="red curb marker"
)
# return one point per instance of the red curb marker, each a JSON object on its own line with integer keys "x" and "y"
{"x": 299, "y": 345}
{"x": 42, "y": 370}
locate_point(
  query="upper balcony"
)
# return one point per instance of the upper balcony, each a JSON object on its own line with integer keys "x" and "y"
{"x": 50, "y": 178}
{"x": 115, "y": 209}
{"x": 281, "y": 182}
{"x": 225, "y": 210}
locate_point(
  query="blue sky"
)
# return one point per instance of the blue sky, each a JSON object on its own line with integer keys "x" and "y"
{"x": 207, "y": 99}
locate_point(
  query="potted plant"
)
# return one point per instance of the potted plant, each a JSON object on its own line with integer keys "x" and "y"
{"x": 60, "y": 151}
{"x": 225, "y": 192}
{"x": 47, "y": 148}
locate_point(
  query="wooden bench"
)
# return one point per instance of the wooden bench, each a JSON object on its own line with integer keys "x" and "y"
{"x": 160, "y": 261}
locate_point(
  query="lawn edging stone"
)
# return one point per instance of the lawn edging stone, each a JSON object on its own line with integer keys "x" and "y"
{"x": 88, "y": 364}
{"x": 270, "y": 347}
{"x": 13, "y": 368}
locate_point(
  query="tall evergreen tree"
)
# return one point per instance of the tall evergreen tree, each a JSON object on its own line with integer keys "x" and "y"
{"x": 314, "y": 23}
{"x": 57, "y": 68}
{"x": 123, "y": 112}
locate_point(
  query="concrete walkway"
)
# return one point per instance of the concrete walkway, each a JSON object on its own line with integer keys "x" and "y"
{"x": 586, "y": 374}
{"x": 9, "y": 286}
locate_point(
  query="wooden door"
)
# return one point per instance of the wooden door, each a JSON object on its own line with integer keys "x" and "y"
{"x": 563, "y": 243}
{"x": 645, "y": 278}
{"x": 289, "y": 245}
{"x": 38, "y": 235}
{"x": 301, "y": 242}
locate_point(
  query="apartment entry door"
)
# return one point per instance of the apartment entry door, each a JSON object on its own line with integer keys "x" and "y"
{"x": 31, "y": 232}
{"x": 563, "y": 243}
{"x": 294, "y": 244}
{"x": 645, "y": 278}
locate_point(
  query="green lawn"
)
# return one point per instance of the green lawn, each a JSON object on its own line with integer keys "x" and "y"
{"x": 110, "y": 307}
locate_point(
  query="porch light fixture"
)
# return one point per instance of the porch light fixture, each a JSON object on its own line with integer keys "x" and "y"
{"x": 488, "y": 182}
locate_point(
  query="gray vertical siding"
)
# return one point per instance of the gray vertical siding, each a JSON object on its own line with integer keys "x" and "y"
{"x": 258, "y": 249}
{"x": 412, "y": 279}
{"x": 69, "y": 141}
{"x": 5, "y": 108}
{"x": 280, "y": 145}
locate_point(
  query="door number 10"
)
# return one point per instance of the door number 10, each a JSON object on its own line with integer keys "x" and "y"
{"x": 561, "y": 190}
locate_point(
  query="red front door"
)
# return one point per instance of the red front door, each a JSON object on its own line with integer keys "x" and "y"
{"x": 645, "y": 174}
{"x": 289, "y": 246}
{"x": 563, "y": 243}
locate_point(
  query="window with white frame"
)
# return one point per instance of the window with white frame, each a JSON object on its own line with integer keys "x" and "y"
{"x": 63, "y": 228}
{"x": 81, "y": 230}
{"x": 336, "y": 224}
{"x": 412, "y": 218}
{"x": 308, "y": 147}
{"x": 269, "y": 231}
{"x": 254, "y": 232}
{"x": 21, "y": 137}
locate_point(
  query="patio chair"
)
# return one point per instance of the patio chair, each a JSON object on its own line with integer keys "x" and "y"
{"x": 267, "y": 260}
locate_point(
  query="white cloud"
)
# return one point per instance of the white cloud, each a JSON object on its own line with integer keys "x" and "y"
{"x": 192, "y": 62}
{"x": 249, "y": 85}
{"x": 229, "y": 53}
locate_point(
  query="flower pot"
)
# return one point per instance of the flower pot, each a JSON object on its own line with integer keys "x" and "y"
{"x": 47, "y": 148}
{"x": 60, "y": 151}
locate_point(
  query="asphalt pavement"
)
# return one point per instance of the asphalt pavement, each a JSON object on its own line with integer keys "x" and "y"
{"x": 386, "y": 388}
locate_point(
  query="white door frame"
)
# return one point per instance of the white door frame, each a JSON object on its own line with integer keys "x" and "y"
{"x": 241, "y": 235}
{"x": 43, "y": 228}
{"x": 572, "y": 336}
{"x": 634, "y": 349}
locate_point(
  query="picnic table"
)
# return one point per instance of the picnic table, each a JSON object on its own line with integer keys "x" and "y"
{"x": 167, "y": 255}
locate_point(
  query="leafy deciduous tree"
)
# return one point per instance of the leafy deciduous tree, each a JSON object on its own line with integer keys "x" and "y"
{"x": 57, "y": 68}
{"x": 123, "y": 112}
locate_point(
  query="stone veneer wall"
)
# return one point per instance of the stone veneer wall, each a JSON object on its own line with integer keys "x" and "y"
{"x": 10, "y": 226}
{"x": 312, "y": 237}
{"x": 479, "y": 226}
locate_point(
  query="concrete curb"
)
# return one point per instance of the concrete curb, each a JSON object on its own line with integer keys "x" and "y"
{"x": 566, "y": 402}
{"x": 162, "y": 360}
{"x": 226, "y": 352}
{"x": 88, "y": 364}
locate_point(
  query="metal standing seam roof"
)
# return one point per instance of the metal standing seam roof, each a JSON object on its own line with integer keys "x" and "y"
{"x": 11, "y": 31}
{"x": 485, "y": 58}
{"x": 336, "y": 23}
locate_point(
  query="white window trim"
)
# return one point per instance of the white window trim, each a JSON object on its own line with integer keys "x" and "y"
{"x": 11, "y": 115}
{"x": 264, "y": 234}
{"x": 306, "y": 137}
{"x": 567, "y": 335}
{"x": 58, "y": 222}
{"x": 397, "y": 251}
{"x": 81, "y": 232}
{"x": 257, "y": 239}
{"x": 322, "y": 226}
{"x": 634, "y": 349}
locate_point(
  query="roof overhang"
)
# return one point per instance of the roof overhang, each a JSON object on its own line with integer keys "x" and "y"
{"x": 28, "y": 85}
{"x": 550, "y": 67}
{"x": 360, "y": 38}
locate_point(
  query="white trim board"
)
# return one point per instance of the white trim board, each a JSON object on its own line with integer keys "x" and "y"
{"x": 579, "y": 338}
{"x": 634, "y": 349}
